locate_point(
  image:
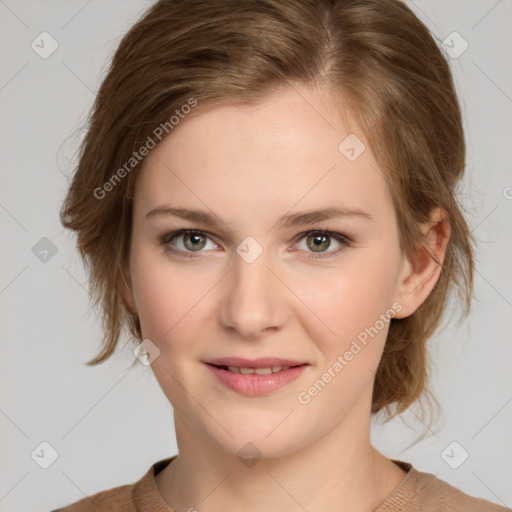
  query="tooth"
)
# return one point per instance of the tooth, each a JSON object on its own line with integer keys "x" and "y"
{"x": 260, "y": 371}
{"x": 263, "y": 371}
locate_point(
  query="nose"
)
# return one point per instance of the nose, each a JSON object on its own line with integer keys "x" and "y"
{"x": 254, "y": 301}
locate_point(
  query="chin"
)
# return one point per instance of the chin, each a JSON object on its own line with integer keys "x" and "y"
{"x": 254, "y": 436}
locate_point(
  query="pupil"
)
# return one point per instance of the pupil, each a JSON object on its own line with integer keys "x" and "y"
{"x": 193, "y": 241}
{"x": 319, "y": 240}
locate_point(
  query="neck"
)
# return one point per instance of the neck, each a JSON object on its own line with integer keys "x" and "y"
{"x": 339, "y": 471}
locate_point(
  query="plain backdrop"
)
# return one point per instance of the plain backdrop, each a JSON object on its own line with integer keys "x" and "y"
{"x": 106, "y": 425}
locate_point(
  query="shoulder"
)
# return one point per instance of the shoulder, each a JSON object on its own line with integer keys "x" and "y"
{"x": 118, "y": 498}
{"x": 427, "y": 492}
{"x": 125, "y": 498}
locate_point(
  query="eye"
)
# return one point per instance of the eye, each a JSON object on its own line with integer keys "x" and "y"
{"x": 317, "y": 242}
{"x": 188, "y": 241}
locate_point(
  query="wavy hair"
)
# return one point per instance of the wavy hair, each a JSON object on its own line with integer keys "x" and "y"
{"x": 375, "y": 54}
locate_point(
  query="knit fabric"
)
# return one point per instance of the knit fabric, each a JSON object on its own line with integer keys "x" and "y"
{"x": 418, "y": 492}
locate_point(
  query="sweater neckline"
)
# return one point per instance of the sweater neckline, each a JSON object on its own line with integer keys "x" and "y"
{"x": 147, "y": 497}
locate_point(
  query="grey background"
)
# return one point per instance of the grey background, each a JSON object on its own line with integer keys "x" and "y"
{"x": 109, "y": 424}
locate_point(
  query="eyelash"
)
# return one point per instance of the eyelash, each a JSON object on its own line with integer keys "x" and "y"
{"x": 342, "y": 239}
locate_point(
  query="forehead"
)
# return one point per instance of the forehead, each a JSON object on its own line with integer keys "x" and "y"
{"x": 291, "y": 151}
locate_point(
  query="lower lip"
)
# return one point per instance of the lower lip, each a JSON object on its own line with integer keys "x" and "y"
{"x": 252, "y": 384}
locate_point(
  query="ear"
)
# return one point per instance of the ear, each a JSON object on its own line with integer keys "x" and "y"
{"x": 125, "y": 289}
{"x": 421, "y": 272}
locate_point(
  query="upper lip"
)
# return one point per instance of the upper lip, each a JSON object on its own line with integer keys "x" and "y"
{"x": 261, "y": 362}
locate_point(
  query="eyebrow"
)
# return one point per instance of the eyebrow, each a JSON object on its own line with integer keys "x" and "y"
{"x": 285, "y": 221}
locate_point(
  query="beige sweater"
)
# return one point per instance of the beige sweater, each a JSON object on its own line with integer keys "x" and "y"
{"x": 418, "y": 492}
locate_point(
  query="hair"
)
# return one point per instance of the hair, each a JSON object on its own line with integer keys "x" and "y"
{"x": 374, "y": 56}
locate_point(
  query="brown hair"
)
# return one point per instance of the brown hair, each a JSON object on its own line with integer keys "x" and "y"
{"x": 375, "y": 54}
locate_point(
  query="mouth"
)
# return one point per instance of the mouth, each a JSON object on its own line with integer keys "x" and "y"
{"x": 267, "y": 370}
{"x": 255, "y": 377}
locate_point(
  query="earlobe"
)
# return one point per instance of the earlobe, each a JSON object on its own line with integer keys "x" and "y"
{"x": 421, "y": 272}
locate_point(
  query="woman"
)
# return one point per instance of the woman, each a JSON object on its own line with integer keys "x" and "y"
{"x": 265, "y": 197}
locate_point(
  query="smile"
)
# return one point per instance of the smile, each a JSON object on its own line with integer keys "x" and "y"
{"x": 260, "y": 371}
{"x": 255, "y": 380}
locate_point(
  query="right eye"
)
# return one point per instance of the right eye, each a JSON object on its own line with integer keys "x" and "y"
{"x": 191, "y": 241}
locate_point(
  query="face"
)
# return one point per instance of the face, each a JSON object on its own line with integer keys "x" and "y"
{"x": 253, "y": 280}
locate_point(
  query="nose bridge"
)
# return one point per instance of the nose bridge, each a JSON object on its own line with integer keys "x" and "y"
{"x": 252, "y": 303}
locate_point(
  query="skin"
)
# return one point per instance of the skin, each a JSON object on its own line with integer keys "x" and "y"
{"x": 248, "y": 166}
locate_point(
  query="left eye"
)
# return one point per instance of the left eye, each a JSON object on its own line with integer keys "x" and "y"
{"x": 193, "y": 241}
{"x": 320, "y": 241}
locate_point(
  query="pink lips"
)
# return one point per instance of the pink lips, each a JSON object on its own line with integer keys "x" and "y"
{"x": 252, "y": 384}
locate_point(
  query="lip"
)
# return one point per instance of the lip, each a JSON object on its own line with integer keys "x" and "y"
{"x": 261, "y": 362}
{"x": 253, "y": 384}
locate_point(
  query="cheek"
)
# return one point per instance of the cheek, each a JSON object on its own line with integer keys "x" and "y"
{"x": 334, "y": 305}
{"x": 346, "y": 300}
{"x": 355, "y": 309}
{"x": 168, "y": 298}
